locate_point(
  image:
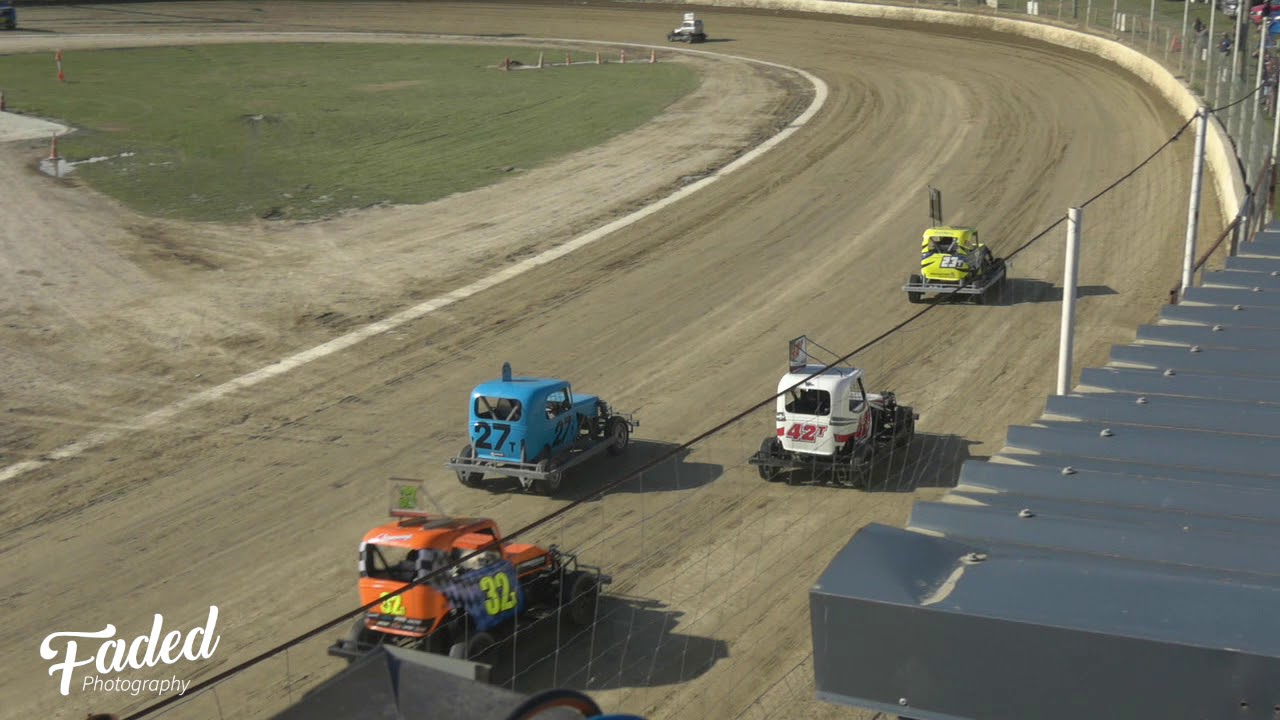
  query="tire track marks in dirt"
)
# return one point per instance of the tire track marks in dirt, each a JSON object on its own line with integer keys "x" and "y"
{"x": 814, "y": 240}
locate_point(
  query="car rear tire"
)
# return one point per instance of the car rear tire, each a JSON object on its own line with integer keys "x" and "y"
{"x": 771, "y": 447}
{"x": 915, "y": 297}
{"x": 619, "y": 434}
{"x": 473, "y": 647}
{"x": 467, "y": 477}
{"x": 362, "y": 638}
{"x": 904, "y": 426}
{"x": 549, "y": 484}
{"x": 578, "y": 598}
{"x": 857, "y": 472}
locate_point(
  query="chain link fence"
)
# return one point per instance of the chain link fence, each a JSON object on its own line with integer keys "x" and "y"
{"x": 703, "y": 547}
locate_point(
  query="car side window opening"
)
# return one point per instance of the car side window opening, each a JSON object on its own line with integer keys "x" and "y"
{"x": 429, "y": 562}
{"x": 558, "y": 403}
{"x": 495, "y": 408}
{"x": 808, "y": 401}
{"x": 857, "y": 398}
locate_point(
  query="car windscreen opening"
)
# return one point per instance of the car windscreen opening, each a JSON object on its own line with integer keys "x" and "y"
{"x": 388, "y": 562}
{"x": 808, "y": 401}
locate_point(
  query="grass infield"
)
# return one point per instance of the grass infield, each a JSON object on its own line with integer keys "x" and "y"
{"x": 229, "y": 132}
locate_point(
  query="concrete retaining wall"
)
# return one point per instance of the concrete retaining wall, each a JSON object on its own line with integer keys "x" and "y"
{"x": 1224, "y": 169}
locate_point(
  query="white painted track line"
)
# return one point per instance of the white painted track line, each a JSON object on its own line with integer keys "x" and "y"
{"x": 155, "y": 418}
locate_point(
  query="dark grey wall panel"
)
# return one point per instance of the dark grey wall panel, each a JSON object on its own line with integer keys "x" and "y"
{"x": 1028, "y": 633}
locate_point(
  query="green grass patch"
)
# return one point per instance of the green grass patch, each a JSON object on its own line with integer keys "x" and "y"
{"x": 229, "y": 132}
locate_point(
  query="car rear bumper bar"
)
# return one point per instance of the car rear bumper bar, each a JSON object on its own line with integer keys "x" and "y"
{"x": 975, "y": 289}
{"x": 581, "y": 452}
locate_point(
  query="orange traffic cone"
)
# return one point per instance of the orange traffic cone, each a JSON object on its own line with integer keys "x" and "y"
{"x": 58, "y": 58}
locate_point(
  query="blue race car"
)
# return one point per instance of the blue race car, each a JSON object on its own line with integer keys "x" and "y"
{"x": 535, "y": 429}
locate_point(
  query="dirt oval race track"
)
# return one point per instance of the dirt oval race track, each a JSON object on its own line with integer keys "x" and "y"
{"x": 255, "y": 502}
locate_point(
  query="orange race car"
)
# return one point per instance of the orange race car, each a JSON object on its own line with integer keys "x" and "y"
{"x": 468, "y": 602}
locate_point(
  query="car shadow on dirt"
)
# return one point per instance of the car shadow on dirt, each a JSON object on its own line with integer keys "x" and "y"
{"x": 931, "y": 461}
{"x": 588, "y": 479}
{"x": 1017, "y": 291}
{"x": 633, "y": 642}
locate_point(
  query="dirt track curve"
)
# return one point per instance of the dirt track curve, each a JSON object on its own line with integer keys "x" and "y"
{"x": 255, "y": 502}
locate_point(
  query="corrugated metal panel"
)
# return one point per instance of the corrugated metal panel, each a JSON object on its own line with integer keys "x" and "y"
{"x": 1172, "y": 412}
{"x": 1251, "y": 264}
{"x": 1229, "y": 297}
{"x": 1180, "y": 384}
{"x": 1177, "y": 538}
{"x": 1128, "y": 543}
{"x": 1267, "y": 245}
{"x": 1241, "y": 279}
{"x": 1227, "y": 495}
{"x": 1212, "y": 361}
{"x": 1211, "y": 337}
{"x": 1234, "y": 317}
{"x": 1063, "y": 463}
{"x": 1178, "y": 448}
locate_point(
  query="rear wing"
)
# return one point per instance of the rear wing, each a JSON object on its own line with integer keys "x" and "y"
{"x": 798, "y": 355}
{"x": 408, "y": 498}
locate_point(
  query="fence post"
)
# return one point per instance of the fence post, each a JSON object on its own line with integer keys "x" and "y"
{"x": 1208, "y": 61}
{"x": 1182, "y": 59}
{"x": 1235, "y": 44}
{"x": 1264, "y": 28}
{"x": 1275, "y": 141}
{"x": 1151, "y": 26}
{"x": 1193, "y": 212}
{"x": 1070, "y": 276}
{"x": 1242, "y": 226}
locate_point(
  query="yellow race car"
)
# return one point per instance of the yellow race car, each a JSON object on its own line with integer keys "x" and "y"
{"x": 954, "y": 262}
